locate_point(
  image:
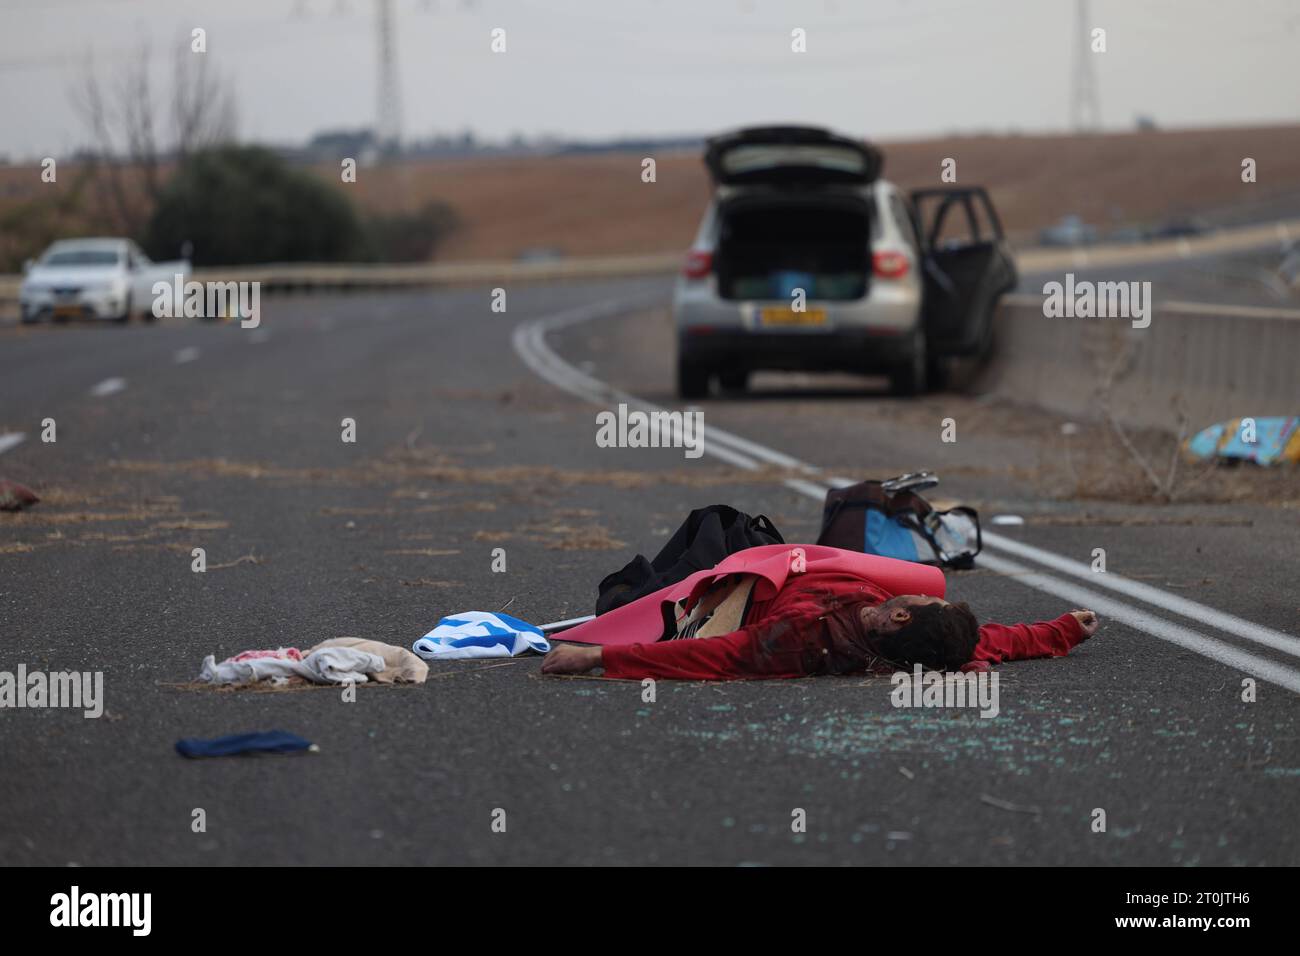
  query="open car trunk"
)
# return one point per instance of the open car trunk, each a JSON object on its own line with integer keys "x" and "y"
{"x": 785, "y": 155}
{"x": 768, "y": 246}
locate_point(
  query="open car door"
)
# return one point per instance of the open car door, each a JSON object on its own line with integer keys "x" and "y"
{"x": 967, "y": 265}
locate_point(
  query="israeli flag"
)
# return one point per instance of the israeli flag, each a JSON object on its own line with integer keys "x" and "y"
{"x": 480, "y": 634}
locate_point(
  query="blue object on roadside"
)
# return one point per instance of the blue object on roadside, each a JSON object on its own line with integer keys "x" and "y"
{"x": 1268, "y": 440}
{"x": 260, "y": 742}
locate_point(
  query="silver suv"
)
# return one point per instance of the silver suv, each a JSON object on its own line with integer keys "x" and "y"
{"x": 806, "y": 259}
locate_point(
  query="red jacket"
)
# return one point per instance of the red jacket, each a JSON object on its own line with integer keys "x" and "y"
{"x": 808, "y": 628}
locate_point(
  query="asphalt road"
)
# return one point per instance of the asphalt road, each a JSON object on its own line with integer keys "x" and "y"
{"x": 229, "y": 439}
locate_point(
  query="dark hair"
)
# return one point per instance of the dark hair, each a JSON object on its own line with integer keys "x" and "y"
{"x": 939, "y": 637}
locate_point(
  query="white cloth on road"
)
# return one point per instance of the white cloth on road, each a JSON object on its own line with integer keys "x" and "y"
{"x": 400, "y": 665}
{"x": 327, "y": 665}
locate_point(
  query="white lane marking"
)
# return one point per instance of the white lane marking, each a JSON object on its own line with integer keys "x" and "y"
{"x": 11, "y": 440}
{"x": 1201, "y": 613}
{"x": 1247, "y": 663}
{"x": 187, "y": 354}
{"x": 530, "y": 344}
{"x": 108, "y": 386}
{"x": 529, "y": 341}
{"x": 1228, "y": 623}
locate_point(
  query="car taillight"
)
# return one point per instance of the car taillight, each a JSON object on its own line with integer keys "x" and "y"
{"x": 698, "y": 264}
{"x": 889, "y": 264}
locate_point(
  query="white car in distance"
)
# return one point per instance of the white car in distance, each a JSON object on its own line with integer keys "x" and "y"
{"x": 93, "y": 279}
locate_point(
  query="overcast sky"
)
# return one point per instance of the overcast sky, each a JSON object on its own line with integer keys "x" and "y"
{"x": 601, "y": 68}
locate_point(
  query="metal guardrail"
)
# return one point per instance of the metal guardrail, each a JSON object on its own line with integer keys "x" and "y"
{"x": 297, "y": 275}
{"x": 293, "y": 275}
{"x": 363, "y": 275}
{"x": 1242, "y": 239}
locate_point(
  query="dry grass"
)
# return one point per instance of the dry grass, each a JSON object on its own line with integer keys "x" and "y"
{"x": 407, "y": 466}
{"x": 582, "y": 204}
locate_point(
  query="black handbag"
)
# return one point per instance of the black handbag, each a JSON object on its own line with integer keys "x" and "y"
{"x": 706, "y": 537}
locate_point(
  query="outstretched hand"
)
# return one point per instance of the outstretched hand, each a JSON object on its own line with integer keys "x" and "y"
{"x": 1087, "y": 620}
{"x": 571, "y": 659}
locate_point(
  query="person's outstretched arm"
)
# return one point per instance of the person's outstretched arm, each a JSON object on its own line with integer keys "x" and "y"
{"x": 754, "y": 652}
{"x": 1018, "y": 642}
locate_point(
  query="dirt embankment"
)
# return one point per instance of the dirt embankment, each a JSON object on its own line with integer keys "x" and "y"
{"x": 583, "y": 205}
{"x": 597, "y": 205}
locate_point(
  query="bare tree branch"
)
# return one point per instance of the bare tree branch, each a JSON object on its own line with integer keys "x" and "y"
{"x": 133, "y": 137}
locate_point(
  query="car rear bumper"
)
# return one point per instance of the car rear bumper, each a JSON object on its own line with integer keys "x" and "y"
{"x": 872, "y": 334}
{"x": 846, "y": 350}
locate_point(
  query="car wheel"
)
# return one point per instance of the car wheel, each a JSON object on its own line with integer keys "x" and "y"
{"x": 987, "y": 334}
{"x": 936, "y": 373}
{"x": 733, "y": 381}
{"x": 908, "y": 378}
{"x": 125, "y": 317}
{"x": 692, "y": 379}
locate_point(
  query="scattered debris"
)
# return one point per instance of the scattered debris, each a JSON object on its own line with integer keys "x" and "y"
{"x": 327, "y": 663}
{"x": 591, "y": 537}
{"x": 418, "y": 466}
{"x": 400, "y": 665}
{"x": 1011, "y": 807}
{"x": 1142, "y": 521}
{"x": 249, "y": 558}
{"x": 487, "y": 667}
{"x": 15, "y": 497}
{"x": 188, "y": 524}
{"x": 261, "y": 742}
{"x": 1264, "y": 441}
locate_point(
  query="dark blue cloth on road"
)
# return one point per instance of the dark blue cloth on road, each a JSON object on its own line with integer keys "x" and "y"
{"x": 260, "y": 742}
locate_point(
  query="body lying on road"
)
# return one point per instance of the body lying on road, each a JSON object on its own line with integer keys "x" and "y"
{"x": 803, "y": 611}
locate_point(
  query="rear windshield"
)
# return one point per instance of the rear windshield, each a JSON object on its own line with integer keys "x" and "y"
{"x": 741, "y": 160}
{"x": 82, "y": 257}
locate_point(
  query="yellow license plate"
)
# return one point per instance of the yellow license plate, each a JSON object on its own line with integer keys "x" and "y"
{"x": 68, "y": 311}
{"x": 785, "y": 317}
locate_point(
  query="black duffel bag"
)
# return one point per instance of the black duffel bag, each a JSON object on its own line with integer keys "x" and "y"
{"x": 706, "y": 537}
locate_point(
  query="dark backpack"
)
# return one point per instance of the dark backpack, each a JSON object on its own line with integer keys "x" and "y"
{"x": 890, "y": 518}
{"x": 707, "y": 536}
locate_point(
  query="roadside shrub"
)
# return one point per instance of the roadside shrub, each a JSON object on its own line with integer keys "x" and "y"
{"x": 244, "y": 204}
{"x": 410, "y": 236}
